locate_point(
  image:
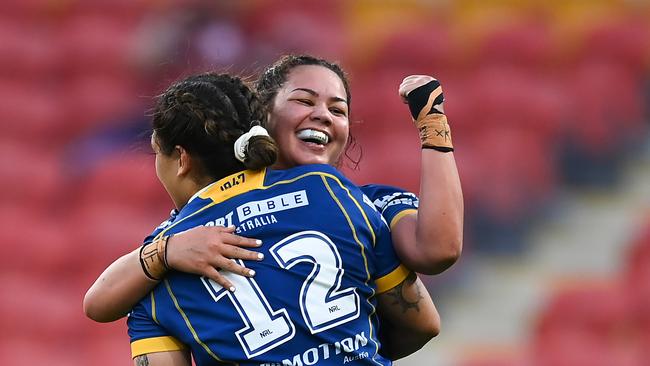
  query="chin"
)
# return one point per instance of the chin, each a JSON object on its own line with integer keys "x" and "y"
{"x": 286, "y": 164}
{"x": 313, "y": 160}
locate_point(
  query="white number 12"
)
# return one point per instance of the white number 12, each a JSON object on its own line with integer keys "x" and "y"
{"x": 323, "y": 303}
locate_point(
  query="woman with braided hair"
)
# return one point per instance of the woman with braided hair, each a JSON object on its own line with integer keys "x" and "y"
{"x": 335, "y": 269}
{"x": 308, "y": 104}
{"x": 308, "y": 101}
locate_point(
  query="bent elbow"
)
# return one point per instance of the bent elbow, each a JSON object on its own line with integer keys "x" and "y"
{"x": 433, "y": 327}
{"x": 434, "y": 330}
{"x": 426, "y": 332}
{"x": 440, "y": 257}
{"x": 89, "y": 308}
{"x": 93, "y": 310}
{"x": 450, "y": 253}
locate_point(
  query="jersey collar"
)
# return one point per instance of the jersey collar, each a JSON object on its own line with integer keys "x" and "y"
{"x": 233, "y": 185}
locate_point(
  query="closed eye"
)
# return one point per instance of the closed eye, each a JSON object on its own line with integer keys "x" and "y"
{"x": 305, "y": 102}
{"x": 338, "y": 111}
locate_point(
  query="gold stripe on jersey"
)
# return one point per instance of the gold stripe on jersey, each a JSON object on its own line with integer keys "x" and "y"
{"x": 156, "y": 344}
{"x": 400, "y": 215}
{"x": 389, "y": 281}
{"x": 153, "y": 308}
{"x": 363, "y": 254}
{"x": 190, "y": 327}
{"x": 354, "y": 231}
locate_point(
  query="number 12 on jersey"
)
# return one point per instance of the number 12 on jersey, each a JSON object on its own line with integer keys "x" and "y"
{"x": 323, "y": 303}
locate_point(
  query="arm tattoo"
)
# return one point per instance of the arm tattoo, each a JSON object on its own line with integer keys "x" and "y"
{"x": 142, "y": 360}
{"x": 405, "y": 300}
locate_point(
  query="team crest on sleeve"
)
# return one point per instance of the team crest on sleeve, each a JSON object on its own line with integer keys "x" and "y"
{"x": 404, "y": 198}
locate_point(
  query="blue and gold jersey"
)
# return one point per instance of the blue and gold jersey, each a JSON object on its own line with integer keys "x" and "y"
{"x": 392, "y": 202}
{"x": 312, "y": 301}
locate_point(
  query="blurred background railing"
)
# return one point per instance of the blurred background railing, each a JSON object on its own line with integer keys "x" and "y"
{"x": 549, "y": 105}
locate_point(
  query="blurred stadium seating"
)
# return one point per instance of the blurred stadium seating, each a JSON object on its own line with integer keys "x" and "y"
{"x": 541, "y": 96}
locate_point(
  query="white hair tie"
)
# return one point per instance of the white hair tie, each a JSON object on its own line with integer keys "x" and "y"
{"x": 241, "y": 145}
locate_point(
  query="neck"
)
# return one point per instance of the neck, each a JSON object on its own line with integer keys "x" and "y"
{"x": 186, "y": 190}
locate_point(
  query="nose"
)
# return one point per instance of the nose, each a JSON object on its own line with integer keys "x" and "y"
{"x": 322, "y": 114}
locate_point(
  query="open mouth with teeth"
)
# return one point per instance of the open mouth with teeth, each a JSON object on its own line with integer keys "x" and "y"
{"x": 313, "y": 136}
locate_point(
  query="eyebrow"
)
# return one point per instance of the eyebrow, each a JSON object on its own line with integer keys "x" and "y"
{"x": 312, "y": 92}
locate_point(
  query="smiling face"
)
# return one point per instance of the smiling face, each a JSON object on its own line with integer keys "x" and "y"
{"x": 309, "y": 117}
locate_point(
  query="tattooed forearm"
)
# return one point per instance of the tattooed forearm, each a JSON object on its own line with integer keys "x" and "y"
{"x": 142, "y": 360}
{"x": 405, "y": 295}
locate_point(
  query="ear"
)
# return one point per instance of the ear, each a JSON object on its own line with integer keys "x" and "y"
{"x": 184, "y": 161}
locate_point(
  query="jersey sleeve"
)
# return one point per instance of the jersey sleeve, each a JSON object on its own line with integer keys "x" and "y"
{"x": 390, "y": 271}
{"x": 147, "y": 336}
{"x": 392, "y": 202}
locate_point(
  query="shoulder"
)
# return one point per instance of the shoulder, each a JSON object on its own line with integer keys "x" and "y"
{"x": 382, "y": 195}
{"x": 309, "y": 175}
{"x": 301, "y": 172}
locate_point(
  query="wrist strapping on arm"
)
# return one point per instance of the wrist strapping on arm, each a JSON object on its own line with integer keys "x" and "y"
{"x": 425, "y": 104}
{"x": 153, "y": 258}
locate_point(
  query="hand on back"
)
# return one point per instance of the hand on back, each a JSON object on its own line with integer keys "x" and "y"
{"x": 203, "y": 250}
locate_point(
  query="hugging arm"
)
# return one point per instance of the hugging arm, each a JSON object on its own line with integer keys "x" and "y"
{"x": 200, "y": 250}
{"x": 408, "y": 318}
{"x": 167, "y": 358}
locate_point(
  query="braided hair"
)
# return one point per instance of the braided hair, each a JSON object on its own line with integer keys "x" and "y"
{"x": 205, "y": 114}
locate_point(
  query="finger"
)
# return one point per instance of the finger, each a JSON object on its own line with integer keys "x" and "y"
{"x": 232, "y": 266}
{"x": 226, "y": 229}
{"x": 413, "y": 82}
{"x": 241, "y": 241}
{"x": 412, "y": 78}
{"x": 234, "y": 252}
{"x": 406, "y": 87}
{"x": 212, "y": 273}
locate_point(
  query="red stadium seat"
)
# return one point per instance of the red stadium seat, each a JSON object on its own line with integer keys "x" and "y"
{"x": 385, "y": 133}
{"x": 42, "y": 313}
{"x": 275, "y": 28}
{"x": 36, "y": 306}
{"x": 35, "y": 55}
{"x": 24, "y": 8}
{"x": 94, "y": 100}
{"x": 509, "y": 171}
{"x": 593, "y": 307}
{"x": 637, "y": 279}
{"x": 32, "y": 175}
{"x": 124, "y": 178}
{"x": 420, "y": 49}
{"x": 56, "y": 351}
{"x": 32, "y": 113}
{"x": 607, "y": 107}
{"x": 39, "y": 234}
{"x": 626, "y": 39}
{"x": 588, "y": 325}
{"x": 96, "y": 42}
{"x": 116, "y": 206}
{"x": 522, "y": 44}
{"x": 505, "y": 97}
